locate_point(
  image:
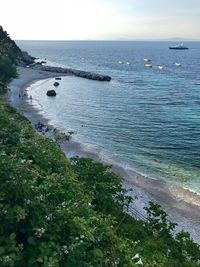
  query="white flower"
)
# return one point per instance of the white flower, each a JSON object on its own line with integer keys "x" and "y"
{"x": 82, "y": 236}
{"x": 20, "y": 246}
{"x": 7, "y": 260}
{"x": 65, "y": 249}
{"x": 27, "y": 201}
{"x": 137, "y": 242}
{"x": 139, "y": 262}
{"x": 77, "y": 238}
{"x": 40, "y": 198}
{"x": 136, "y": 257}
{"x": 48, "y": 217}
{"x": 39, "y": 232}
{"x": 64, "y": 204}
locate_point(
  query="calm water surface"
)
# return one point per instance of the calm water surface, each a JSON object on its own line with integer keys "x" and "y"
{"x": 150, "y": 119}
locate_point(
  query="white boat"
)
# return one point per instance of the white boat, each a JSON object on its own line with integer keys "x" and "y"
{"x": 178, "y": 47}
{"x": 160, "y": 67}
{"x": 146, "y": 60}
{"x": 178, "y": 64}
{"x": 148, "y": 65}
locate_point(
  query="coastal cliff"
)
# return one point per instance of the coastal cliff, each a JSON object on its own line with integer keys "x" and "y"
{"x": 9, "y": 48}
{"x": 23, "y": 59}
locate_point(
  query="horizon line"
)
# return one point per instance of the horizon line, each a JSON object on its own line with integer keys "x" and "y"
{"x": 115, "y": 40}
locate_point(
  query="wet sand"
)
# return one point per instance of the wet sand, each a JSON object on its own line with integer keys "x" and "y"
{"x": 182, "y": 205}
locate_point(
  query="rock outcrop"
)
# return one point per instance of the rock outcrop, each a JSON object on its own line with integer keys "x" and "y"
{"x": 24, "y": 59}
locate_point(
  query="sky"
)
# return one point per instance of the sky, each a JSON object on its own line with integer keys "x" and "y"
{"x": 100, "y": 19}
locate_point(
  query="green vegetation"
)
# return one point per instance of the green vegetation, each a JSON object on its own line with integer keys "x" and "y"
{"x": 8, "y": 54}
{"x": 60, "y": 213}
{"x": 7, "y": 71}
{"x": 54, "y": 212}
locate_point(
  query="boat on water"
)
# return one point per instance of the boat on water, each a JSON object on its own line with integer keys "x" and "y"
{"x": 160, "y": 67}
{"x": 124, "y": 62}
{"x": 148, "y": 65}
{"x": 147, "y": 60}
{"x": 177, "y": 64}
{"x": 179, "y": 47}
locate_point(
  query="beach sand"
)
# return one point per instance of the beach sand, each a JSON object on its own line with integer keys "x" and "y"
{"x": 182, "y": 206}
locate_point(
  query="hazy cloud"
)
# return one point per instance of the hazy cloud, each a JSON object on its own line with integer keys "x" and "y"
{"x": 101, "y": 19}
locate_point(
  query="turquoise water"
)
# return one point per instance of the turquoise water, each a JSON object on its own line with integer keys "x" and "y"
{"x": 146, "y": 117}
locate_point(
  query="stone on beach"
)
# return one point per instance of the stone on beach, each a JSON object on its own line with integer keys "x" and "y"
{"x": 51, "y": 93}
{"x": 56, "y": 84}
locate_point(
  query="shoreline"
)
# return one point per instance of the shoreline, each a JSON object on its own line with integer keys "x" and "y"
{"x": 182, "y": 205}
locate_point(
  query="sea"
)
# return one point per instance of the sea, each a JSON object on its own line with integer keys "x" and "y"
{"x": 147, "y": 119}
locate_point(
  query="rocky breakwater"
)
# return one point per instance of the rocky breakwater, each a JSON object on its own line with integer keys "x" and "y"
{"x": 78, "y": 73}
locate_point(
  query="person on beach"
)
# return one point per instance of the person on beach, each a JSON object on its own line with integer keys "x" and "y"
{"x": 46, "y": 129}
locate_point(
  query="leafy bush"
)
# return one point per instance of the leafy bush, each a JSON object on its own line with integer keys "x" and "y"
{"x": 57, "y": 213}
{"x": 7, "y": 69}
{"x": 104, "y": 185}
{"x": 46, "y": 216}
{"x": 8, "y": 54}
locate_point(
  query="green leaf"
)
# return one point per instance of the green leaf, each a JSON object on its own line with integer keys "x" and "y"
{"x": 31, "y": 240}
{"x": 2, "y": 250}
{"x": 98, "y": 253}
{"x": 12, "y": 236}
{"x": 40, "y": 260}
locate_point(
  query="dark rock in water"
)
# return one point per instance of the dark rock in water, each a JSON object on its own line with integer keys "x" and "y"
{"x": 51, "y": 93}
{"x": 58, "y": 78}
{"x": 56, "y": 84}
